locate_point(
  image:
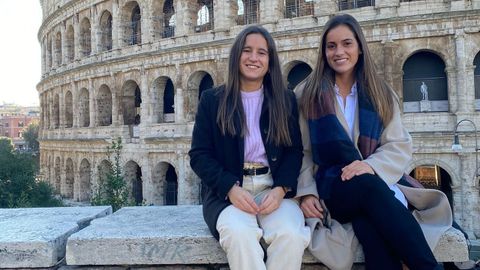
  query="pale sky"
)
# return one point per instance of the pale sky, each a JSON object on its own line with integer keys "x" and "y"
{"x": 20, "y": 57}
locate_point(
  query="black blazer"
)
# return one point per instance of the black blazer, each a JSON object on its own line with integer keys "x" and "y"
{"x": 218, "y": 159}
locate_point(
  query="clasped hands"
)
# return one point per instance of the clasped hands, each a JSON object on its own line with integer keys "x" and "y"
{"x": 243, "y": 200}
{"x": 310, "y": 204}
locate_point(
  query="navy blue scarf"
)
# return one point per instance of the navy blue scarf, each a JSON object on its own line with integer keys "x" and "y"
{"x": 332, "y": 148}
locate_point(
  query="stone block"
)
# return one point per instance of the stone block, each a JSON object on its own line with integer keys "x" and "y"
{"x": 177, "y": 235}
{"x": 36, "y": 237}
{"x": 144, "y": 236}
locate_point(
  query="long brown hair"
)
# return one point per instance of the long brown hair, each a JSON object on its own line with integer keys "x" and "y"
{"x": 322, "y": 79}
{"x": 274, "y": 90}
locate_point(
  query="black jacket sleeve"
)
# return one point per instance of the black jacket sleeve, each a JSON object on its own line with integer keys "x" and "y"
{"x": 203, "y": 159}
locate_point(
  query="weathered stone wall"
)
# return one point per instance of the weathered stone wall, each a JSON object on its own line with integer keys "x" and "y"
{"x": 88, "y": 99}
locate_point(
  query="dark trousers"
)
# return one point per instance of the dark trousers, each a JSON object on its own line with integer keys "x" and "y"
{"x": 388, "y": 232}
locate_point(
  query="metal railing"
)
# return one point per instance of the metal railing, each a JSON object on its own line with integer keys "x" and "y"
{"x": 351, "y": 4}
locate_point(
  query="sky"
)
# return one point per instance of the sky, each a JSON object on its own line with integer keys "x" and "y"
{"x": 20, "y": 53}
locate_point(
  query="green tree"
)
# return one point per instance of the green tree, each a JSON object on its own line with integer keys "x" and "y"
{"x": 30, "y": 134}
{"x": 112, "y": 188}
{"x": 18, "y": 185}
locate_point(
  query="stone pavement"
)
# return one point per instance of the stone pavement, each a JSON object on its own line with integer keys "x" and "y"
{"x": 36, "y": 237}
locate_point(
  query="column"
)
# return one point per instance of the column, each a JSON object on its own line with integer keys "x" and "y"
{"x": 146, "y": 105}
{"x": 75, "y": 105}
{"x": 92, "y": 103}
{"x": 464, "y": 97}
{"x": 225, "y": 13}
{"x": 185, "y": 12}
{"x": 324, "y": 8}
{"x": 179, "y": 99}
{"x": 76, "y": 40}
{"x": 115, "y": 25}
{"x": 270, "y": 11}
{"x": 115, "y": 102}
{"x": 95, "y": 29}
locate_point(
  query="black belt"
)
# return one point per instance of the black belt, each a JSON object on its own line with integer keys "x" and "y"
{"x": 255, "y": 171}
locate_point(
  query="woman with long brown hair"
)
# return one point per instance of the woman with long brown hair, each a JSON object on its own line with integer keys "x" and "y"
{"x": 247, "y": 150}
{"x": 356, "y": 151}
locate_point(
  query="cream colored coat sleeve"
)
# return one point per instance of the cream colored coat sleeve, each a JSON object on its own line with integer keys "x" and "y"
{"x": 306, "y": 182}
{"x": 390, "y": 160}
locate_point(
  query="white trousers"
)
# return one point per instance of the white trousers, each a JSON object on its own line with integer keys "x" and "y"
{"x": 283, "y": 230}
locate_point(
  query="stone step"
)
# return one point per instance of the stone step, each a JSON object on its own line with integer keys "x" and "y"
{"x": 36, "y": 237}
{"x": 177, "y": 235}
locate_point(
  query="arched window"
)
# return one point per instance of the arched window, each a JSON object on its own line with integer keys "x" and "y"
{"x": 85, "y": 37}
{"x": 68, "y": 110}
{"x": 69, "y": 44}
{"x": 164, "y": 100}
{"x": 435, "y": 177}
{"x": 56, "y": 111}
{"x": 131, "y": 103}
{"x": 168, "y": 19}
{"x": 58, "y": 49}
{"x": 104, "y": 105}
{"x": 197, "y": 83}
{"x": 298, "y": 8}
{"x": 297, "y": 74}
{"x": 84, "y": 108}
{"x": 476, "y": 76}
{"x": 133, "y": 178}
{"x": 351, "y": 4}
{"x": 424, "y": 83}
{"x": 106, "y": 31}
{"x": 136, "y": 24}
{"x": 204, "y": 16}
{"x": 85, "y": 181}
{"x": 172, "y": 186}
{"x": 249, "y": 11}
{"x": 69, "y": 179}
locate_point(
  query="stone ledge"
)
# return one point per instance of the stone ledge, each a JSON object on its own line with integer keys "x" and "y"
{"x": 177, "y": 235}
{"x": 36, "y": 237}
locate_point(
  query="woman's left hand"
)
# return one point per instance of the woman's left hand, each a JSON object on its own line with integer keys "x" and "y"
{"x": 354, "y": 169}
{"x": 272, "y": 201}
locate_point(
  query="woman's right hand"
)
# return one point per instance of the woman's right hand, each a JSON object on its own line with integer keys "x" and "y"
{"x": 243, "y": 200}
{"x": 311, "y": 207}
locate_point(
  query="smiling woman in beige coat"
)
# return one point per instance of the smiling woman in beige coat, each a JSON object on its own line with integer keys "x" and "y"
{"x": 356, "y": 151}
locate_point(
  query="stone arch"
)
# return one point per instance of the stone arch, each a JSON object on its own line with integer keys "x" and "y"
{"x": 131, "y": 23}
{"x": 69, "y": 44}
{"x": 424, "y": 72}
{"x": 298, "y": 8}
{"x": 168, "y": 19}
{"x": 69, "y": 179}
{"x": 106, "y": 31}
{"x": 57, "y": 171}
{"x": 432, "y": 175}
{"x": 56, "y": 111}
{"x": 58, "y": 49}
{"x": 84, "y": 108}
{"x": 251, "y": 11}
{"x": 85, "y": 37}
{"x": 131, "y": 100}
{"x": 204, "y": 20}
{"x": 165, "y": 184}
{"x": 85, "y": 173}
{"x": 103, "y": 168}
{"x": 476, "y": 76}
{"x": 296, "y": 72}
{"x": 164, "y": 99}
{"x": 198, "y": 82}
{"x": 104, "y": 106}
{"x": 68, "y": 109}
{"x": 133, "y": 178}
{"x": 433, "y": 161}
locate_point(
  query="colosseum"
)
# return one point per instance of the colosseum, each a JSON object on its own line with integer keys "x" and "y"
{"x": 136, "y": 69}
